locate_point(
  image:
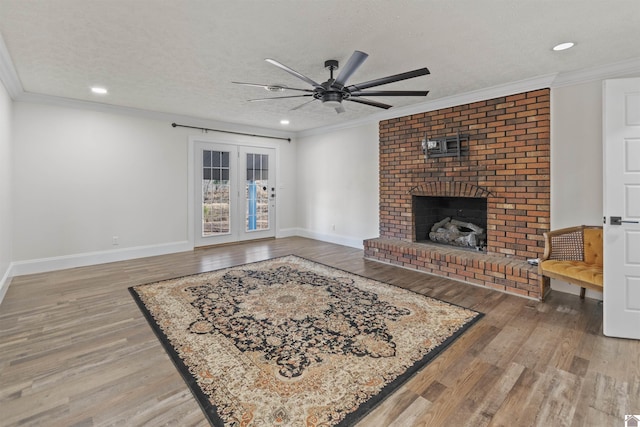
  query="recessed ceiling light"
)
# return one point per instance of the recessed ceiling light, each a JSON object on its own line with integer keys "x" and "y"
{"x": 284, "y": 122}
{"x": 99, "y": 90}
{"x": 563, "y": 46}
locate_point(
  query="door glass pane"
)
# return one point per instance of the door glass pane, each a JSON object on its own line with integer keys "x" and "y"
{"x": 216, "y": 202}
{"x": 257, "y": 192}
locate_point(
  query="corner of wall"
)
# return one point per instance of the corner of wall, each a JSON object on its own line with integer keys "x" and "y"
{"x": 6, "y": 180}
{"x": 332, "y": 238}
{"x": 5, "y": 282}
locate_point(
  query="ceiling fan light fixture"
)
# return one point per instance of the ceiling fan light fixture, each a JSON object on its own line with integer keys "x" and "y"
{"x": 331, "y": 103}
{"x": 332, "y": 99}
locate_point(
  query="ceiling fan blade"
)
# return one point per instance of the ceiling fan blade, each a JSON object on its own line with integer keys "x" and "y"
{"x": 277, "y": 97}
{"x": 369, "y": 102}
{"x": 302, "y": 105}
{"x": 389, "y": 79}
{"x": 340, "y": 109}
{"x": 273, "y": 88}
{"x": 293, "y": 72}
{"x": 391, "y": 93}
{"x": 356, "y": 60}
{"x": 258, "y": 85}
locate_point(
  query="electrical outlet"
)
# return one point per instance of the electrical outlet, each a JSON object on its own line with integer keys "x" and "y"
{"x": 115, "y": 241}
{"x": 333, "y": 227}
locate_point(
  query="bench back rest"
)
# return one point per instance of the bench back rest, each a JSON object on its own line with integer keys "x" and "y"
{"x": 593, "y": 248}
{"x": 568, "y": 246}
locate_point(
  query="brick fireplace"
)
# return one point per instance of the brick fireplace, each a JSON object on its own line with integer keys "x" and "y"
{"x": 504, "y": 163}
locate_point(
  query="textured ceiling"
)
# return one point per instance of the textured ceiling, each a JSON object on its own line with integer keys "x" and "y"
{"x": 180, "y": 56}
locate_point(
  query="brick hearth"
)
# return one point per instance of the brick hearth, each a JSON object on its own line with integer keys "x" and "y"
{"x": 506, "y": 160}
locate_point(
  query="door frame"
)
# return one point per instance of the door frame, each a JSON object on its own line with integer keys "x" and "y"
{"x": 191, "y": 170}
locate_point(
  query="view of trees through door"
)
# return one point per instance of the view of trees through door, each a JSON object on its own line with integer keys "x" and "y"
{"x": 235, "y": 197}
{"x": 216, "y": 201}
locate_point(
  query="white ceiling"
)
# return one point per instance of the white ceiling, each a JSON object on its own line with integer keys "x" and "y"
{"x": 180, "y": 56}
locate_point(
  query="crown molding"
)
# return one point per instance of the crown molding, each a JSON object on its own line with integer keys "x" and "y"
{"x": 12, "y": 84}
{"x": 36, "y": 98}
{"x": 627, "y": 68}
{"x": 8, "y": 74}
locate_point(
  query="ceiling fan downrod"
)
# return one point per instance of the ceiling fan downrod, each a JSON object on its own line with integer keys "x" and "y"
{"x": 331, "y": 64}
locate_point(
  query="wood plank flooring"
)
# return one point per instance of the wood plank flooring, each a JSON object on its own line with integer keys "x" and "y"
{"x": 76, "y": 351}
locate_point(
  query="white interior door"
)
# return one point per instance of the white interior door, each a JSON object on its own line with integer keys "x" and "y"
{"x": 622, "y": 208}
{"x": 234, "y": 193}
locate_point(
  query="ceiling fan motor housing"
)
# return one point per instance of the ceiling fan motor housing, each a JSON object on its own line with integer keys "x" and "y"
{"x": 331, "y": 97}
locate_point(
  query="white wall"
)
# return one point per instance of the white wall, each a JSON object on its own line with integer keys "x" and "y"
{"x": 83, "y": 176}
{"x": 576, "y": 161}
{"x": 576, "y": 155}
{"x": 6, "y": 208}
{"x": 337, "y": 196}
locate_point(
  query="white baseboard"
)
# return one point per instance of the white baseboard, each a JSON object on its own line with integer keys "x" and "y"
{"x": 560, "y": 286}
{"x": 331, "y": 238}
{"x": 44, "y": 265}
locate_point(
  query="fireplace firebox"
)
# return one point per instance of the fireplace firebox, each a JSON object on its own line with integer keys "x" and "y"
{"x": 458, "y": 221}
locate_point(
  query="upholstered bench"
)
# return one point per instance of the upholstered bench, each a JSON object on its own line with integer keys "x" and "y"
{"x": 572, "y": 255}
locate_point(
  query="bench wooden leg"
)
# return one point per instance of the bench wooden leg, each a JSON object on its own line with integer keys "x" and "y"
{"x": 545, "y": 284}
{"x": 582, "y": 292}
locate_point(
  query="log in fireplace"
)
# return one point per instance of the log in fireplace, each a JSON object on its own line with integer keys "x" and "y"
{"x": 457, "y": 221}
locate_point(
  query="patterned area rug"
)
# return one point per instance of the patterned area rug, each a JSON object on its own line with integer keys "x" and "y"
{"x": 290, "y": 342}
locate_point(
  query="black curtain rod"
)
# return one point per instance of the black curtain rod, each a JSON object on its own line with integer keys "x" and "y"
{"x": 228, "y": 131}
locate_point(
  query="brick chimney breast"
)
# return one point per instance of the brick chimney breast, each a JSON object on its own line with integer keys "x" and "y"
{"x": 506, "y": 160}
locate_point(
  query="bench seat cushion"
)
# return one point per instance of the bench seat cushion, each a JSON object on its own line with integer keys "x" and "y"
{"x": 579, "y": 270}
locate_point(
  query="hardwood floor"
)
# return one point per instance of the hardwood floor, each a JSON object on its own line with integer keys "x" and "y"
{"x": 76, "y": 351}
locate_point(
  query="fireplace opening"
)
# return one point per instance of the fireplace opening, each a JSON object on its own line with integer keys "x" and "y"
{"x": 456, "y": 221}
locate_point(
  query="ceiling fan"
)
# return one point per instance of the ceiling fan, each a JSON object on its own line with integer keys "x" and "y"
{"x": 332, "y": 92}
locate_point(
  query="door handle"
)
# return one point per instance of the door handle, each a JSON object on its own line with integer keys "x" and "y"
{"x": 617, "y": 220}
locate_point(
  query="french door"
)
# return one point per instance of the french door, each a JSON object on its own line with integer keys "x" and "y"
{"x": 234, "y": 193}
